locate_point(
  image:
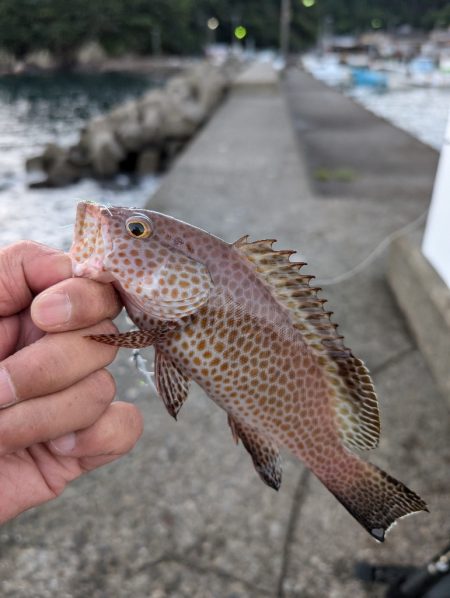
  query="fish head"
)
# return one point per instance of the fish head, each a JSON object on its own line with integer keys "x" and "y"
{"x": 132, "y": 249}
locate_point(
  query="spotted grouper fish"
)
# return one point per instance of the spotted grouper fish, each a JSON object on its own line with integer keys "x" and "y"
{"x": 243, "y": 322}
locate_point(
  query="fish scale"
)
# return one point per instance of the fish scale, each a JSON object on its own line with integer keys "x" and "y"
{"x": 243, "y": 322}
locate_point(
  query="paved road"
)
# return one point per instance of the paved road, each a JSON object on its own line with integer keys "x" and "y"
{"x": 185, "y": 515}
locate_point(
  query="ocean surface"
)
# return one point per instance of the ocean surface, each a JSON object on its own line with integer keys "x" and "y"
{"x": 37, "y": 109}
{"x": 423, "y": 112}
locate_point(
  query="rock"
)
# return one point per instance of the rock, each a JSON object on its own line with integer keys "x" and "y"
{"x": 169, "y": 113}
{"x": 62, "y": 173}
{"x": 151, "y": 124}
{"x": 91, "y": 54}
{"x": 34, "y": 164}
{"x": 100, "y": 143}
{"x": 125, "y": 122}
{"x": 7, "y": 62}
{"x": 41, "y": 59}
{"x": 177, "y": 122}
{"x": 171, "y": 149}
{"x": 181, "y": 88}
{"x": 185, "y": 96}
{"x": 182, "y": 114}
{"x": 79, "y": 156}
{"x": 51, "y": 154}
{"x": 142, "y": 135}
{"x": 54, "y": 164}
{"x": 148, "y": 162}
{"x": 150, "y": 108}
{"x": 209, "y": 85}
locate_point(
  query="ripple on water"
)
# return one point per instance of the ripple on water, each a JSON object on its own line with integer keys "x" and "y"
{"x": 47, "y": 215}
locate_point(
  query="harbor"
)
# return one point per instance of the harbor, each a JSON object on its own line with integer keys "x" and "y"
{"x": 278, "y": 283}
{"x": 186, "y": 503}
{"x": 28, "y": 111}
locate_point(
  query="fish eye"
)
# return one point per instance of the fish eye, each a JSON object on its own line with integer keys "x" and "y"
{"x": 138, "y": 227}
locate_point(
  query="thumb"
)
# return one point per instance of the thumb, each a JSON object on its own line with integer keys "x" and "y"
{"x": 27, "y": 268}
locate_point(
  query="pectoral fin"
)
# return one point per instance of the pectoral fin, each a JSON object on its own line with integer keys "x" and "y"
{"x": 137, "y": 339}
{"x": 171, "y": 383}
{"x": 263, "y": 451}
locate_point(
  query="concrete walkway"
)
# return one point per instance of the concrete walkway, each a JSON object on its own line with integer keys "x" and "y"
{"x": 185, "y": 515}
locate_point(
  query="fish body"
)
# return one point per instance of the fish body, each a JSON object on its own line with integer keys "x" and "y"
{"x": 243, "y": 322}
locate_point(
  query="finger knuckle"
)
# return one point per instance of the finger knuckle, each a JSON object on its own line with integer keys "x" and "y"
{"x": 106, "y": 353}
{"x": 105, "y": 298}
{"x": 39, "y": 375}
{"x": 11, "y": 289}
{"x": 106, "y": 327}
{"x": 104, "y": 386}
{"x": 12, "y": 433}
{"x": 5, "y": 440}
{"x": 131, "y": 424}
{"x": 134, "y": 420}
{"x": 92, "y": 300}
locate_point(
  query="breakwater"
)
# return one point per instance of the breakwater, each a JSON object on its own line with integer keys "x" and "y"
{"x": 141, "y": 136}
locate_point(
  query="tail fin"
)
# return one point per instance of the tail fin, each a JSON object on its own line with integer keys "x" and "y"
{"x": 373, "y": 497}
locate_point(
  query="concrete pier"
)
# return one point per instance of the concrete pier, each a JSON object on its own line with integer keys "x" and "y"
{"x": 185, "y": 515}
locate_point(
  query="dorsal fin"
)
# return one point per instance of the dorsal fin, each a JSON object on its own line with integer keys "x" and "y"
{"x": 355, "y": 402}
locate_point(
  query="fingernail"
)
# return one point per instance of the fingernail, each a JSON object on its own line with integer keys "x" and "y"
{"x": 64, "y": 444}
{"x": 52, "y": 309}
{"x": 7, "y": 392}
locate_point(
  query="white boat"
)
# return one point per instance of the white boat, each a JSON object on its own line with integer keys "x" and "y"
{"x": 328, "y": 69}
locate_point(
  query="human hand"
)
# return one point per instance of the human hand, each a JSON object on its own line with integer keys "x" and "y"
{"x": 56, "y": 416}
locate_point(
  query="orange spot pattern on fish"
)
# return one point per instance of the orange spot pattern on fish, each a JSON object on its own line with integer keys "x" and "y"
{"x": 251, "y": 330}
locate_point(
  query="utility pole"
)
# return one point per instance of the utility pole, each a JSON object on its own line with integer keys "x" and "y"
{"x": 156, "y": 40}
{"x": 285, "y": 26}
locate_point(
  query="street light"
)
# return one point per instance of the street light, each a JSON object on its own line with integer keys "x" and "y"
{"x": 213, "y": 23}
{"x": 376, "y": 23}
{"x": 240, "y": 32}
{"x": 285, "y": 27}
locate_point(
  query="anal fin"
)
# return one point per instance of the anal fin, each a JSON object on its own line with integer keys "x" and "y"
{"x": 171, "y": 382}
{"x": 263, "y": 451}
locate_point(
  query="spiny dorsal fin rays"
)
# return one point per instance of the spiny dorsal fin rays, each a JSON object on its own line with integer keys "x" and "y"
{"x": 355, "y": 402}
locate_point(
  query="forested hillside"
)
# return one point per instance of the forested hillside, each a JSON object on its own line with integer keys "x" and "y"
{"x": 179, "y": 26}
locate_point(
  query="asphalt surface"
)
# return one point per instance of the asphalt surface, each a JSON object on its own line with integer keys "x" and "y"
{"x": 185, "y": 515}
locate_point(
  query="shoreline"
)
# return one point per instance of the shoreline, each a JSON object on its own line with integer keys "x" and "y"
{"x": 126, "y": 64}
{"x": 187, "y": 502}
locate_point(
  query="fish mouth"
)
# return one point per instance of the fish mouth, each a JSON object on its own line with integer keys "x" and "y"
{"x": 91, "y": 244}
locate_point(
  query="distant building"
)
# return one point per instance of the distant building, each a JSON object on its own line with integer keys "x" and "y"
{"x": 403, "y": 44}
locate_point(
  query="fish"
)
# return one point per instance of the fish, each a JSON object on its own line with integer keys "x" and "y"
{"x": 249, "y": 327}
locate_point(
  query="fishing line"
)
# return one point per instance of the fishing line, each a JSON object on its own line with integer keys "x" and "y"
{"x": 140, "y": 364}
{"x": 384, "y": 244}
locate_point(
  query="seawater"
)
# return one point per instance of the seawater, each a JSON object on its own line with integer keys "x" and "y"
{"x": 423, "y": 112}
{"x": 37, "y": 109}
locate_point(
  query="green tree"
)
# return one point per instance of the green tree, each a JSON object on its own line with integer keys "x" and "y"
{"x": 179, "y": 26}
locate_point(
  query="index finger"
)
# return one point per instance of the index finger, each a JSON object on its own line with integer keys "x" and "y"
{"x": 27, "y": 268}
